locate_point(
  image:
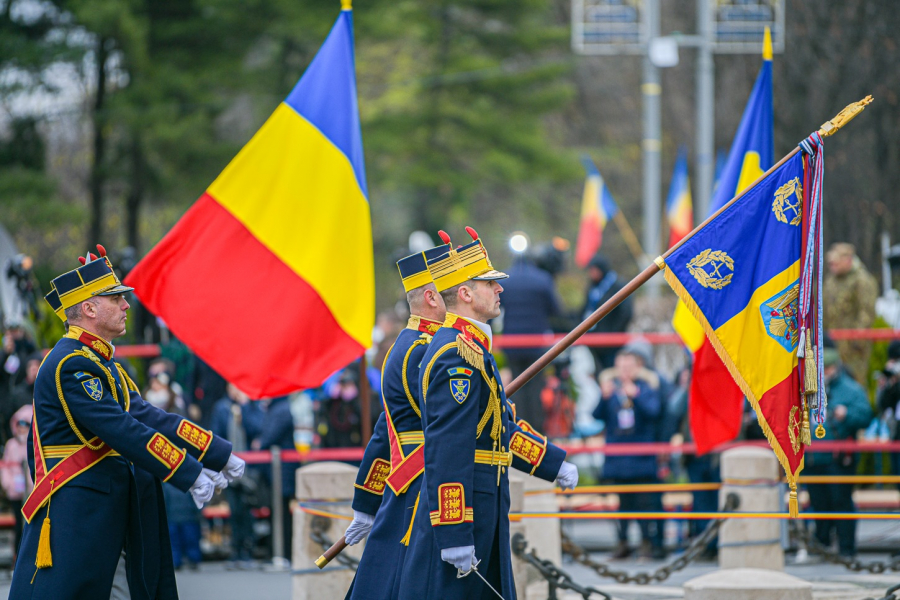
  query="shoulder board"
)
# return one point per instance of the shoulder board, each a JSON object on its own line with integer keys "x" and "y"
{"x": 470, "y": 351}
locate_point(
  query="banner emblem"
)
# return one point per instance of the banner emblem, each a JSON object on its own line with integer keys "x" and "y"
{"x": 711, "y": 268}
{"x": 782, "y": 204}
{"x": 779, "y": 314}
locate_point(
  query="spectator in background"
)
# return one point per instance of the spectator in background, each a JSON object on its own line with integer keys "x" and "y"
{"x": 849, "y": 293}
{"x": 239, "y": 420}
{"x": 339, "y": 418}
{"x": 23, "y": 394}
{"x": 207, "y": 387}
{"x": 15, "y": 475}
{"x": 184, "y": 527}
{"x": 889, "y": 395}
{"x": 278, "y": 430}
{"x": 529, "y": 301}
{"x": 163, "y": 394}
{"x": 848, "y": 412}
{"x": 604, "y": 283}
{"x": 631, "y": 407}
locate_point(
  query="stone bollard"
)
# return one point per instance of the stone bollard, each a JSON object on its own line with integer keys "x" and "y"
{"x": 324, "y": 480}
{"x": 747, "y": 584}
{"x": 543, "y": 535}
{"x": 753, "y": 474}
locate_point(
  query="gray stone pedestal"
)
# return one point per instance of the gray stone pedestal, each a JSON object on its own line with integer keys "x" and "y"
{"x": 317, "y": 482}
{"x": 753, "y": 474}
{"x": 747, "y": 584}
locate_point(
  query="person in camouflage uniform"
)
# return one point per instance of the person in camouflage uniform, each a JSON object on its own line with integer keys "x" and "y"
{"x": 848, "y": 295}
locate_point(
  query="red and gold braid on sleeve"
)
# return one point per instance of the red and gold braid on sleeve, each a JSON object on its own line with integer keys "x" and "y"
{"x": 452, "y": 506}
{"x": 195, "y": 435}
{"x": 528, "y": 449}
{"x": 166, "y": 452}
{"x": 375, "y": 480}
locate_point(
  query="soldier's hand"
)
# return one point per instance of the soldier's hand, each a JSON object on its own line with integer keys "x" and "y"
{"x": 461, "y": 557}
{"x": 217, "y": 478}
{"x": 234, "y": 469}
{"x": 203, "y": 489}
{"x": 568, "y": 476}
{"x": 359, "y": 528}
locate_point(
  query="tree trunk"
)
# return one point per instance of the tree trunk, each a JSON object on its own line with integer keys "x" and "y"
{"x": 135, "y": 197}
{"x": 98, "y": 174}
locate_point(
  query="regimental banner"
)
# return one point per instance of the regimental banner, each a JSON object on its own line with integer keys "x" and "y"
{"x": 740, "y": 277}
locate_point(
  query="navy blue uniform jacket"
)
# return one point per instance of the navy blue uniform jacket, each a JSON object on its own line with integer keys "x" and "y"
{"x": 471, "y": 438}
{"x": 82, "y": 396}
{"x": 397, "y": 434}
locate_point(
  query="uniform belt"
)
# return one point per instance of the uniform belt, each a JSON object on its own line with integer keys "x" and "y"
{"x": 487, "y": 457}
{"x": 66, "y": 450}
{"x": 411, "y": 437}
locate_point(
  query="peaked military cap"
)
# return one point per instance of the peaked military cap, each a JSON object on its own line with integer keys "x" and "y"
{"x": 414, "y": 268}
{"x": 462, "y": 264}
{"x": 53, "y": 300}
{"x": 95, "y": 277}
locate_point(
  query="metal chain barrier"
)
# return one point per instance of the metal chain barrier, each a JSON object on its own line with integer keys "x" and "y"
{"x": 890, "y": 594}
{"x": 556, "y": 577}
{"x": 318, "y": 526}
{"x": 814, "y": 546}
{"x": 695, "y": 549}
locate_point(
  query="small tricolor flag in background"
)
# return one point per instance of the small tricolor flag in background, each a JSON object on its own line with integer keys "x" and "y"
{"x": 716, "y": 402}
{"x": 597, "y": 208}
{"x": 269, "y": 276}
{"x": 679, "y": 207}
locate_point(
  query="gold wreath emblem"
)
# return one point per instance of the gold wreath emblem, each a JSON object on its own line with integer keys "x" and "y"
{"x": 713, "y": 279}
{"x": 794, "y": 429}
{"x": 782, "y": 203}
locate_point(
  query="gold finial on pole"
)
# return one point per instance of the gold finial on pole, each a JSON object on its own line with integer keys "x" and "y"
{"x": 844, "y": 117}
{"x": 346, "y": 4}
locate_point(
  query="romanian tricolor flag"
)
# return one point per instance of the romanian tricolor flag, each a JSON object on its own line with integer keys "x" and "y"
{"x": 269, "y": 276}
{"x": 740, "y": 278}
{"x": 597, "y": 208}
{"x": 679, "y": 207}
{"x": 716, "y": 403}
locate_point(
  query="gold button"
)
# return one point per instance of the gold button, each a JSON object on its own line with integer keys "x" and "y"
{"x": 503, "y": 469}
{"x": 503, "y": 429}
{"x": 504, "y": 408}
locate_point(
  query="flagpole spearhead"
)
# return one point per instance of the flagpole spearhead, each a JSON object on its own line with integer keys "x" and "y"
{"x": 844, "y": 117}
{"x": 346, "y": 4}
{"x": 767, "y": 44}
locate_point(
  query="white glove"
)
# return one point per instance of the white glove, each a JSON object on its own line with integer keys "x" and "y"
{"x": 217, "y": 478}
{"x": 234, "y": 469}
{"x": 568, "y": 476}
{"x": 461, "y": 557}
{"x": 359, "y": 528}
{"x": 203, "y": 489}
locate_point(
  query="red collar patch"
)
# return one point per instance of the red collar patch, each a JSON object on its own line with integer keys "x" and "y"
{"x": 469, "y": 331}
{"x": 97, "y": 344}
{"x": 424, "y": 325}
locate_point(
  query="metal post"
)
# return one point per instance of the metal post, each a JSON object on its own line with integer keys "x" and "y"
{"x": 278, "y": 559}
{"x": 706, "y": 100}
{"x": 650, "y": 90}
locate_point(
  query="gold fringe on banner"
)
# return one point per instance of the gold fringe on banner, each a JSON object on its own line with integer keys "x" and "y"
{"x": 810, "y": 371}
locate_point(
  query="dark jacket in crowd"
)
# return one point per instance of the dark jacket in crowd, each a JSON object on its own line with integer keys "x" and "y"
{"x": 278, "y": 430}
{"x": 842, "y": 391}
{"x": 647, "y": 407}
{"x": 529, "y": 302}
{"x": 222, "y": 422}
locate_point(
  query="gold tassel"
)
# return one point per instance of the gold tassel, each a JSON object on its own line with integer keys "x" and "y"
{"x": 469, "y": 354}
{"x": 805, "y": 437}
{"x": 793, "y": 504}
{"x": 44, "y": 557}
{"x": 810, "y": 372}
{"x": 405, "y": 540}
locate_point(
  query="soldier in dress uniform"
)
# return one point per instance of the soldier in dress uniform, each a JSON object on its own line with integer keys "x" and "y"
{"x": 471, "y": 438}
{"x": 388, "y": 481}
{"x": 99, "y": 454}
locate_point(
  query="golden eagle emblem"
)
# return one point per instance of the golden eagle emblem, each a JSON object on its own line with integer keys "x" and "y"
{"x": 780, "y": 315}
{"x": 711, "y": 268}
{"x": 783, "y": 207}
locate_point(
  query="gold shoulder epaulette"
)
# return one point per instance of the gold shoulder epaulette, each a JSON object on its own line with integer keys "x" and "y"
{"x": 470, "y": 352}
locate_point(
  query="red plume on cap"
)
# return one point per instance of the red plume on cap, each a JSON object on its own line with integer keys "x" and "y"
{"x": 101, "y": 251}
{"x": 93, "y": 257}
{"x": 473, "y": 233}
{"x": 81, "y": 260}
{"x": 444, "y": 236}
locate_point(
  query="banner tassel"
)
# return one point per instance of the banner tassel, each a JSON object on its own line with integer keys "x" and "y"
{"x": 793, "y": 504}
{"x": 810, "y": 371}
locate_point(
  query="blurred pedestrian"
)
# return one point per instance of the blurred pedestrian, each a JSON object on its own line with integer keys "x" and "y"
{"x": 604, "y": 283}
{"x": 184, "y": 527}
{"x": 339, "y": 416}
{"x": 23, "y": 393}
{"x": 14, "y": 475}
{"x": 239, "y": 420}
{"x": 529, "y": 301}
{"x": 889, "y": 395}
{"x": 848, "y": 412}
{"x": 849, "y": 293}
{"x": 278, "y": 430}
{"x": 162, "y": 393}
{"x": 631, "y": 407}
